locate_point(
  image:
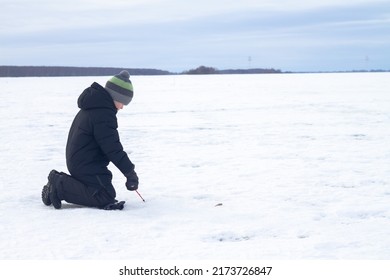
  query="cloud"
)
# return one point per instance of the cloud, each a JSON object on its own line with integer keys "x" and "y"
{"x": 23, "y": 16}
{"x": 174, "y": 35}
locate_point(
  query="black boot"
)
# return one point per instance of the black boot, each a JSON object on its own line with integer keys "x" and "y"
{"x": 115, "y": 206}
{"x": 46, "y": 192}
{"x": 45, "y": 195}
{"x": 53, "y": 186}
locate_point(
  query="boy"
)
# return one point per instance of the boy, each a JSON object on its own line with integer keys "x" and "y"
{"x": 93, "y": 142}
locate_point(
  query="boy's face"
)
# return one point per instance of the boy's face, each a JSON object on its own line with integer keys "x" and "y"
{"x": 118, "y": 105}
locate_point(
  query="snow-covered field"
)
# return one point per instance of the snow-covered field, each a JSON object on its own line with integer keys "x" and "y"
{"x": 293, "y": 166}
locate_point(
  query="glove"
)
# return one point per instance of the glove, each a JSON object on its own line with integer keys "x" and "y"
{"x": 132, "y": 181}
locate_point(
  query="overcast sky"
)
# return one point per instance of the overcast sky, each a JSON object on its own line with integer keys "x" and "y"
{"x": 176, "y": 35}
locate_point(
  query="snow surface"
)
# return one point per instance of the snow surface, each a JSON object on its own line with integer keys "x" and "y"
{"x": 299, "y": 165}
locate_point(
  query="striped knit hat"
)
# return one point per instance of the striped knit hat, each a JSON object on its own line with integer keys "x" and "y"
{"x": 120, "y": 87}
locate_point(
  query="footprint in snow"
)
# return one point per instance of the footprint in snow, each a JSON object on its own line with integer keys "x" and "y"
{"x": 227, "y": 237}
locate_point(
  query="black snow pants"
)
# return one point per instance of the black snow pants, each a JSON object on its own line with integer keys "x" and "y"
{"x": 74, "y": 191}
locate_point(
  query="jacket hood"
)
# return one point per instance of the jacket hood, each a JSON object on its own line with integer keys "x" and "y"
{"x": 95, "y": 97}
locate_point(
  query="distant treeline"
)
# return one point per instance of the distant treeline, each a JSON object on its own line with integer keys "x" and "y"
{"x": 58, "y": 71}
{"x": 212, "y": 70}
{"x": 55, "y": 71}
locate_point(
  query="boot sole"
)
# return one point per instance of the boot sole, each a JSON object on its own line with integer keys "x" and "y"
{"x": 52, "y": 191}
{"x": 45, "y": 196}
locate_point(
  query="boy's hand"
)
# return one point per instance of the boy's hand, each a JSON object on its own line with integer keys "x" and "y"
{"x": 132, "y": 181}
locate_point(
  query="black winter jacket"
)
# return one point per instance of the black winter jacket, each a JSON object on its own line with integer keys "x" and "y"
{"x": 93, "y": 140}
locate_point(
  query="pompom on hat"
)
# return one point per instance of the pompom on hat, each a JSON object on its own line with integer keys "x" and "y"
{"x": 120, "y": 87}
